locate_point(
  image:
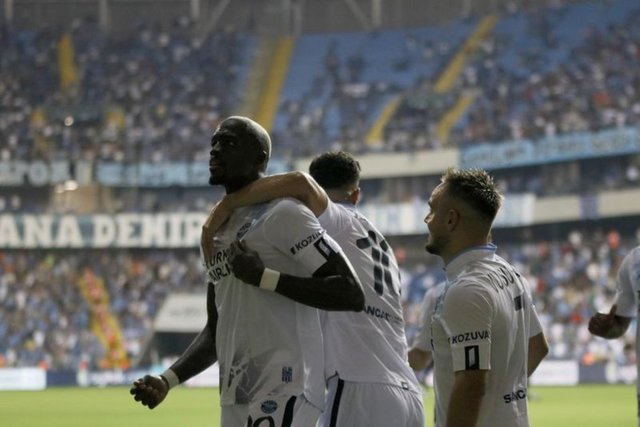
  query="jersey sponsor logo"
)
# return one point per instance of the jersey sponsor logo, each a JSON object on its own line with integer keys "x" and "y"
{"x": 514, "y": 396}
{"x": 244, "y": 229}
{"x": 380, "y": 314}
{"x": 217, "y": 273}
{"x": 287, "y": 374}
{"x": 305, "y": 242}
{"x": 269, "y": 406}
{"x": 469, "y": 336}
{"x": 219, "y": 267}
{"x": 472, "y": 357}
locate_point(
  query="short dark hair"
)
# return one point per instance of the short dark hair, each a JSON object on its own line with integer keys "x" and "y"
{"x": 335, "y": 170}
{"x": 476, "y": 188}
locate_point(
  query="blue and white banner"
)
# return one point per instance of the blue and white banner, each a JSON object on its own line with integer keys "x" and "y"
{"x": 610, "y": 142}
{"x": 128, "y": 230}
{"x": 40, "y": 173}
{"x": 182, "y": 230}
{"x": 23, "y": 379}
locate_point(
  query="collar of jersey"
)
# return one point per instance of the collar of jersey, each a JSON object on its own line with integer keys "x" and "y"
{"x": 346, "y": 204}
{"x": 455, "y": 266}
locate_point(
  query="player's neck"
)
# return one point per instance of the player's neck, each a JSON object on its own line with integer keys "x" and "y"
{"x": 232, "y": 187}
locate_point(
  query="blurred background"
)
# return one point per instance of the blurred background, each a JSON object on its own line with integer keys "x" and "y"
{"x": 107, "y": 108}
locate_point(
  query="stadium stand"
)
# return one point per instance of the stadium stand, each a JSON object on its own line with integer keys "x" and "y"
{"x": 151, "y": 96}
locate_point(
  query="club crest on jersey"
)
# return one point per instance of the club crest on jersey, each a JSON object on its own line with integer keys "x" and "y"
{"x": 287, "y": 374}
{"x": 269, "y": 406}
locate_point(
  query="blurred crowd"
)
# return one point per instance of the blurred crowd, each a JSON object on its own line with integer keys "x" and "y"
{"x": 46, "y": 320}
{"x": 153, "y": 94}
{"x": 530, "y": 78}
{"x": 593, "y": 88}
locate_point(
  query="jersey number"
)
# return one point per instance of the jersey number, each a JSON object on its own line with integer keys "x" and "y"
{"x": 380, "y": 255}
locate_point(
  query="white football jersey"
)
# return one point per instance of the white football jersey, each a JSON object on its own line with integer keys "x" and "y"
{"x": 422, "y": 338}
{"x": 267, "y": 344}
{"x": 369, "y": 346}
{"x": 483, "y": 320}
{"x": 627, "y": 298}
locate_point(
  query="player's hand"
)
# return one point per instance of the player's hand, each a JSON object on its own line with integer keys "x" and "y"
{"x": 601, "y": 324}
{"x": 150, "y": 391}
{"x": 245, "y": 263}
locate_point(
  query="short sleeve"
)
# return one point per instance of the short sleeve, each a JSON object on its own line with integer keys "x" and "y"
{"x": 466, "y": 315}
{"x": 293, "y": 229}
{"x": 535, "y": 326}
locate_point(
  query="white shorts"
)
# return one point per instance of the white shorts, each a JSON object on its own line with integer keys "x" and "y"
{"x": 352, "y": 404}
{"x": 289, "y": 411}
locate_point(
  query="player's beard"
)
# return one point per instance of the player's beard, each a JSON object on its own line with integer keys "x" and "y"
{"x": 216, "y": 176}
{"x": 435, "y": 244}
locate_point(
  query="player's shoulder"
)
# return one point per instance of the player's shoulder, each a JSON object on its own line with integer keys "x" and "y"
{"x": 631, "y": 261}
{"x": 337, "y": 217}
{"x": 338, "y": 209}
{"x": 286, "y": 205}
{"x": 467, "y": 298}
{"x": 469, "y": 290}
{"x": 634, "y": 254}
{"x": 283, "y": 211}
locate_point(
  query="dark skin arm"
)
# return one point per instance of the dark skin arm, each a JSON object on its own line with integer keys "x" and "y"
{"x": 333, "y": 287}
{"x": 609, "y": 325}
{"x": 419, "y": 359}
{"x": 151, "y": 390}
{"x": 466, "y": 398}
{"x": 538, "y": 349}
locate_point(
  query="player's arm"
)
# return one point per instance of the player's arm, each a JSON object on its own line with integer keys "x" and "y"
{"x": 298, "y": 185}
{"x": 334, "y": 286}
{"x": 201, "y": 353}
{"x": 538, "y": 350}
{"x": 419, "y": 359}
{"x": 468, "y": 307}
{"x": 468, "y": 390}
{"x": 609, "y": 325}
{"x": 151, "y": 390}
{"x": 612, "y": 325}
{"x": 538, "y": 347}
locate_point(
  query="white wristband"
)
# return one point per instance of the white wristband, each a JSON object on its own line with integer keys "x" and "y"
{"x": 171, "y": 378}
{"x": 269, "y": 279}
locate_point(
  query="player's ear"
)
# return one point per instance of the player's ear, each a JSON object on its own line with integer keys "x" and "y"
{"x": 354, "y": 197}
{"x": 263, "y": 157}
{"x": 453, "y": 218}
